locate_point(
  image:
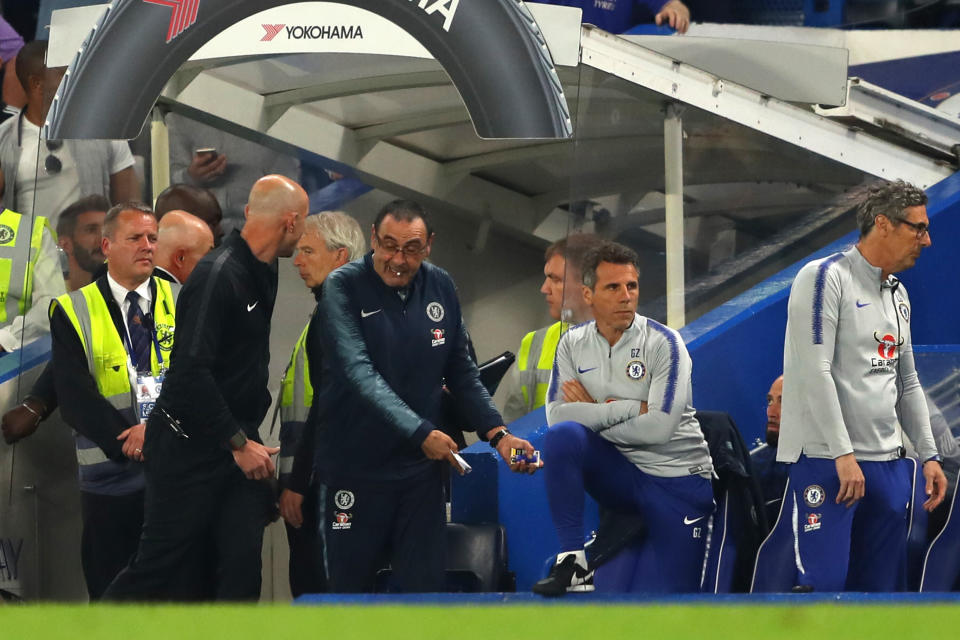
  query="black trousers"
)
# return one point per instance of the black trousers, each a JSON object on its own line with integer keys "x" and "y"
{"x": 111, "y": 530}
{"x": 307, "y": 571}
{"x": 370, "y": 524}
{"x": 202, "y": 519}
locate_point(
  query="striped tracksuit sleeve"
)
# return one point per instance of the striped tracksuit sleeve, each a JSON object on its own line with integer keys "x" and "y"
{"x": 812, "y": 314}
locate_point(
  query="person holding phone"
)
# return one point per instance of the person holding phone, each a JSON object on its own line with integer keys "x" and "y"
{"x": 227, "y": 165}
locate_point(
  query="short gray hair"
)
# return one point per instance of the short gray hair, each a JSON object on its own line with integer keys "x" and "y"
{"x": 339, "y": 231}
{"x": 884, "y": 198}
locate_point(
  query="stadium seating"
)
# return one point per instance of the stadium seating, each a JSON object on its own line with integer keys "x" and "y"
{"x": 476, "y": 560}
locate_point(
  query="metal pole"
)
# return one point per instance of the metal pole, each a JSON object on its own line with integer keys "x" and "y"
{"x": 673, "y": 189}
{"x": 159, "y": 154}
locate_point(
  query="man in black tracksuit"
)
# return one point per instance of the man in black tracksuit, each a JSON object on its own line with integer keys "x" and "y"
{"x": 392, "y": 338}
{"x": 202, "y": 450}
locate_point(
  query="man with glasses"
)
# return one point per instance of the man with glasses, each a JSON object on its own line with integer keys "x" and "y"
{"x": 392, "y": 338}
{"x": 849, "y": 385}
{"x": 47, "y": 179}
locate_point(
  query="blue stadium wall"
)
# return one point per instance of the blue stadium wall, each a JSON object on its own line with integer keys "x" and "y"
{"x": 737, "y": 349}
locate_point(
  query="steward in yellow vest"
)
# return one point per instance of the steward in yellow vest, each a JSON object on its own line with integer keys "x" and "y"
{"x": 532, "y": 370}
{"x": 111, "y": 340}
{"x": 296, "y": 398}
{"x": 30, "y": 276}
{"x": 525, "y": 386}
{"x": 97, "y": 322}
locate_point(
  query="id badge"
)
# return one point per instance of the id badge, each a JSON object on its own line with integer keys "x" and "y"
{"x": 148, "y": 390}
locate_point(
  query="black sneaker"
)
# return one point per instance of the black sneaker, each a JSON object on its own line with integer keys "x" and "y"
{"x": 565, "y": 576}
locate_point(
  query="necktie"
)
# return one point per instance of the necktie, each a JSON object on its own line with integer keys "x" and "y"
{"x": 139, "y": 333}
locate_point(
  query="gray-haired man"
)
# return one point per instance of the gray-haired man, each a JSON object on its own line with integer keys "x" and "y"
{"x": 330, "y": 240}
{"x": 849, "y": 385}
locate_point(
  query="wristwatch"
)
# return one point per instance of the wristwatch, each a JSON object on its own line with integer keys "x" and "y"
{"x": 495, "y": 440}
{"x": 237, "y": 440}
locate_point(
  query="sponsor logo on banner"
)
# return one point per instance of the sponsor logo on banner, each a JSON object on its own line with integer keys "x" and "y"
{"x": 343, "y": 499}
{"x": 312, "y": 32}
{"x": 446, "y": 8}
{"x": 813, "y": 496}
{"x": 183, "y": 15}
{"x": 813, "y": 522}
{"x": 341, "y": 521}
{"x": 438, "y": 338}
{"x": 271, "y": 31}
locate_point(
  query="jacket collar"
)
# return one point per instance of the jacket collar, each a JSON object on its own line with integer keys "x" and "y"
{"x": 115, "y": 314}
{"x": 866, "y": 272}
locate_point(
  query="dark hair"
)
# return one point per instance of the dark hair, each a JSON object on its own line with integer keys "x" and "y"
{"x": 186, "y": 197}
{"x": 574, "y": 249}
{"x": 612, "y": 252}
{"x": 404, "y": 211}
{"x": 31, "y": 62}
{"x": 111, "y": 220}
{"x": 883, "y": 198}
{"x": 67, "y": 222}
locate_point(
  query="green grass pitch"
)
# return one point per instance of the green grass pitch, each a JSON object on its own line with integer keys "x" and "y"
{"x": 481, "y": 622}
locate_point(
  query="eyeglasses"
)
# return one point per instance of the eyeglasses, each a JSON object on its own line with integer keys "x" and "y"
{"x": 410, "y": 250}
{"x": 921, "y": 228}
{"x": 52, "y": 164}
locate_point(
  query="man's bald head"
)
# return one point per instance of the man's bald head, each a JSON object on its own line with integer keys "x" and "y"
{"x": 275, "y": 195}
{"x": 182, "y": 240}
{"x": 277, "y": 206}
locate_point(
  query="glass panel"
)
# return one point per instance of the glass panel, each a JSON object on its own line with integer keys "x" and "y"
{"x": 752, "y": 204}
{"x": 203, "y": 155}
{"x": 47, "y": 250}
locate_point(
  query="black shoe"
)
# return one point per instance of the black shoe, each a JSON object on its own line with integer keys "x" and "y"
{"x": 565, "y": 576}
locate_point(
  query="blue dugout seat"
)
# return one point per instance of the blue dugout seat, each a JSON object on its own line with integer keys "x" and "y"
{"x": 941, "y": 564}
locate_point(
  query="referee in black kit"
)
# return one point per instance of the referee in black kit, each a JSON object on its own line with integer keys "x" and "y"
{"x": 203, "y": 454}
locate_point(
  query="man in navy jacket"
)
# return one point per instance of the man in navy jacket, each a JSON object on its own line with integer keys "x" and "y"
{"x": 392, "y": 338}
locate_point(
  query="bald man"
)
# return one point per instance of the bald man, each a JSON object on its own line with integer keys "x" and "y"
{"x": 206, "y": 465}
{"x": 770, "y": 474}
{"x": 182, "y": 240}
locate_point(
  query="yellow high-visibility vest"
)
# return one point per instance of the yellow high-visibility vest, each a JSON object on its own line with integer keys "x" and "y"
{"x": 105, "y": 351}
{"x": 17, "y": 261}
{"x": 535, "y": 363}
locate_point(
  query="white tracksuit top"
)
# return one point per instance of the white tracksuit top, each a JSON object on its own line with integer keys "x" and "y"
{"x": 847, "y": 357}
{"x": 648, "y": 363}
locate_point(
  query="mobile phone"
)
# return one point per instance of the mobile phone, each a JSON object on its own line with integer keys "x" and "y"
{"x": 212, "y": 152}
